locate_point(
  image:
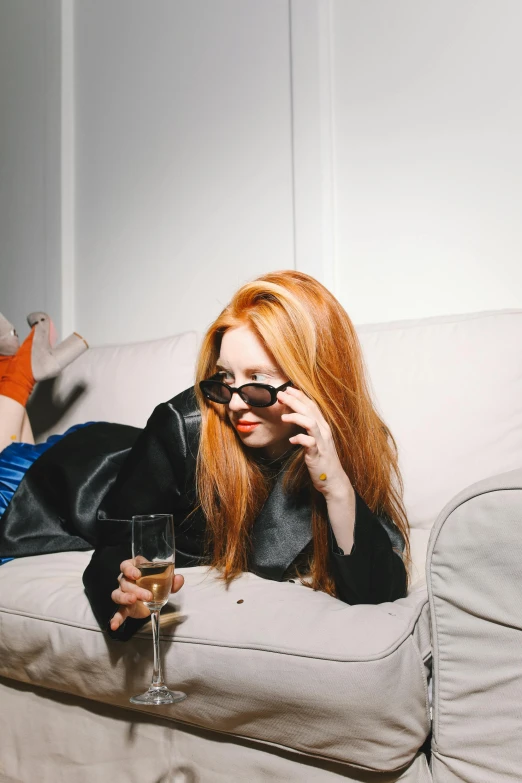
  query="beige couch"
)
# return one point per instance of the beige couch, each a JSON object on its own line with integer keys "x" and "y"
{"x": 293, "y": 685}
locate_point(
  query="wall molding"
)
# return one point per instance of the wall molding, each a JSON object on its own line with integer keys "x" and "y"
{"x": 68, "y": 170}
{"x": 313, "y": 142}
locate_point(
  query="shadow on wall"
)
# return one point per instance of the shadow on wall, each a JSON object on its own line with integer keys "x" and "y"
{"x": 45, "y": 409}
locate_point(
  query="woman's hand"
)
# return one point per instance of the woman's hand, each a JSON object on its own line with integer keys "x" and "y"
{"x": 322, "y": 461}
{"x": 320, "y": 453}
{"x": 130, "y": 597}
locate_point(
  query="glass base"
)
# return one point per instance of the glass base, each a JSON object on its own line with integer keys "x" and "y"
{"x": 155, "y": 696}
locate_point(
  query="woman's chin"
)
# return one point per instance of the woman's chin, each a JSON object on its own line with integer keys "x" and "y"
{"x": 252, "y": 439}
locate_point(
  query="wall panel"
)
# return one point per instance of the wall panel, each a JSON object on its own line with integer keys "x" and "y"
{"x": 427, "y": 124}
{"x": 183, "y": 160}
{"x": 30, "y": 267}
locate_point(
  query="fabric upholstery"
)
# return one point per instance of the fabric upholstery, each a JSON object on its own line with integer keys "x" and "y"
{"x": 119, "y": 383}
{"x": 476, "y": 607}
{"x": 97, "y": 742}
{"x": 348, "y": 684}
{"x": 450, "y": 389}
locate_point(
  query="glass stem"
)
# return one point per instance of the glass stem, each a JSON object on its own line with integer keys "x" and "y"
{"x": 157, "y": 675}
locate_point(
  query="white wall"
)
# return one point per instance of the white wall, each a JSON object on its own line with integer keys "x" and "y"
{"x": 30, "y": 270}
{"x": 427, "y": 119}
{"x": 183, "y": 160}
{"x": 373, "y": 144}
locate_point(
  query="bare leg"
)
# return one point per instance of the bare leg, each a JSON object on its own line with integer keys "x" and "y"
{"x": 27, "y": 432}
{"x": 11, "y": 421}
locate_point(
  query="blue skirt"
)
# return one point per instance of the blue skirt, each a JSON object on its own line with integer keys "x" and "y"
{"x": 15, "y": 461}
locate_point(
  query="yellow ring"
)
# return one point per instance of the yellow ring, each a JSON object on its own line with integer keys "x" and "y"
{"x": 323, "y": 477}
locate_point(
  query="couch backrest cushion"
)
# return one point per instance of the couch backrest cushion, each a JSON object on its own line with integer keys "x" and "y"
{"x": 121, "y": 383}
{"x": 450, "y": 389}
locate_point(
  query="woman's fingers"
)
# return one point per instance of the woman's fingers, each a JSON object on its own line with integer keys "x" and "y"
{"x": 129, "y": 603}
{"x": 129, "y": 592}
{"x": 308, "y": 424}
{"x": 130, "y": 597}
{"x": 131, "y": 588}
{"x": 177, "y": 583}
{"x": 298, "y": 401}
{"x": 118, "y": 619}
{"x": 304, "y": 440}
{"x": 128, "y": 586}
{"x": 123, "y": 598}
{"x": 299, "y": 404}
{"x": 129, "y": 570}
{"x": 306, "y": 407}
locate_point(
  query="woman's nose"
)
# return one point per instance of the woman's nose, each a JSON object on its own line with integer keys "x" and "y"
{"x": 237, "y": 403}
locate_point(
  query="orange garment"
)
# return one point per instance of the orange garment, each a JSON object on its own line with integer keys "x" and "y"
{"x": 17, "y": 380}
{"x": 5, "y": 362}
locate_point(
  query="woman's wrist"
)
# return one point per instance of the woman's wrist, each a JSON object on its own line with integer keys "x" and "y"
{"x": 341, "y": 505}
{"x": 338, "y": 490}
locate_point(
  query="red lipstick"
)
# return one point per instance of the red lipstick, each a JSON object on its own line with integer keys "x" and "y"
{"x": 244, "y": 425}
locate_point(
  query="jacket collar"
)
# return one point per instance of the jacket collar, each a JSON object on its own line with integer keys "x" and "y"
{"x": 282, "y": 530}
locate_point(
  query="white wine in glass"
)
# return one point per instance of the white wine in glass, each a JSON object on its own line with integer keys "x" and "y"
{"x": 157, "y": 578}
{"x": 153, "y": 554}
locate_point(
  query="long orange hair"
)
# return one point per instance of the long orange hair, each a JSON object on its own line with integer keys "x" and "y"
{"x": 313, "y": 341}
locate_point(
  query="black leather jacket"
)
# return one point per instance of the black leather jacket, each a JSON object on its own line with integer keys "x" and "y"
{"x": 159, "y": 475}
{"x": 82, "y": 493}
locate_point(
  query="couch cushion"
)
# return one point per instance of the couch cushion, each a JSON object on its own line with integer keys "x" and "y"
{"x": 121, "y": 383}
{"x": 475, "y": 585}
{"x": 134, "y": 747}
{"x": 287, "y": 666}
{"x": 450, "y": 389}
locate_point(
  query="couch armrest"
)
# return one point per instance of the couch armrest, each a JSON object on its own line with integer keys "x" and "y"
{"x": 474, "y": 568}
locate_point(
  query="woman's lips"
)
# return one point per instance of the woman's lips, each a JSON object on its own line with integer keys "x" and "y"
{"x": 246, "y": 426}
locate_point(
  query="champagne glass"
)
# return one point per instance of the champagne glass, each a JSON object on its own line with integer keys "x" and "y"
{"x": 153, "y": 554}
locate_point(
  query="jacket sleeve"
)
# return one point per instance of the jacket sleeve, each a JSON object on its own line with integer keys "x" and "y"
{"x": 151, "y": 478}
{"x": 149, "y": 481}
{"x": 373, "y": 572}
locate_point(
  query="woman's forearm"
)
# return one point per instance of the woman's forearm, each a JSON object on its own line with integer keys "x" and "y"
{"x": 340, "y": 502}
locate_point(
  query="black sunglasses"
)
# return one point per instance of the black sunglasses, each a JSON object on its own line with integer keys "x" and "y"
{"x": 258, "y": 395}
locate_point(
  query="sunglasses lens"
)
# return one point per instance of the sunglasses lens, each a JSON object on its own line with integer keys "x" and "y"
{"x": 216, "y": 392}
{"x": 256, "y": 395}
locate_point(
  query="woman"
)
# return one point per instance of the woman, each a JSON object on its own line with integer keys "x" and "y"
{"x": 276, "y": 462}
{"x": 21, "y": 366}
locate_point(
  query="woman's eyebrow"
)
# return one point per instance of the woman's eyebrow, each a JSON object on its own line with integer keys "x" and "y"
{"x": 262, "y": 368}
{"x": 251, "y": 370}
